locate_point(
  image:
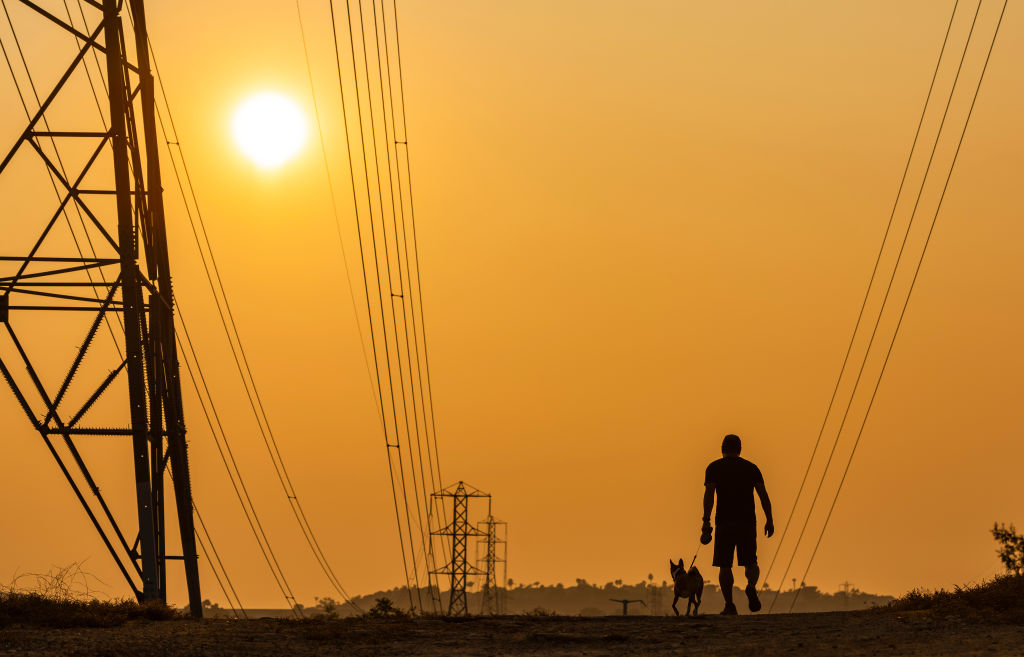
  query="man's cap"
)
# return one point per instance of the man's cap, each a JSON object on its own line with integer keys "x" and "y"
{"x": 731, "y": 444}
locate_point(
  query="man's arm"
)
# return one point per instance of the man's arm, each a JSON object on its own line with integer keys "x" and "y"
{"x": 709, "y": 502}
{"x": 766, "y": 504}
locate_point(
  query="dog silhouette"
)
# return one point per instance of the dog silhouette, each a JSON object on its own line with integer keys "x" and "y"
{"x": 689, "y": 584}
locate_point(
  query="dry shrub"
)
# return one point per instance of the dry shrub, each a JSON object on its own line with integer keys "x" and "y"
{"x": 60, "y": 583}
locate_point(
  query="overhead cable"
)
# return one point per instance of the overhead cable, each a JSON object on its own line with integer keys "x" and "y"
{"x": 867, "y": 294}
{"x": 903, "y": 310}
{"x": 881, "y": 310}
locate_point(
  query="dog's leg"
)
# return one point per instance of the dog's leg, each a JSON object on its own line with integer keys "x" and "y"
{"x": 674, "y": 600}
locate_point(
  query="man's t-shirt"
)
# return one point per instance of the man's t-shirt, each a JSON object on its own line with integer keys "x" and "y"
{"x": 734, "y": 479}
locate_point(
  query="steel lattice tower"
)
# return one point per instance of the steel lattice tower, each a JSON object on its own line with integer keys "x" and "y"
{"x": 459, "y": 531}
{"x": 100, "y": 253}
{"x": 493, "y": 543}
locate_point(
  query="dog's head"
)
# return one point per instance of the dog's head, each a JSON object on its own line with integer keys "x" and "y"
{"x": 675, "y": 568}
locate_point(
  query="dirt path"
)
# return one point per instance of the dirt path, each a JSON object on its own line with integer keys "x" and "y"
{"x": 855, "y": 633}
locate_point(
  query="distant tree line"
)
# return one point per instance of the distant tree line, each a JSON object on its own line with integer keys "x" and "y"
{"x": 587, "y": 599}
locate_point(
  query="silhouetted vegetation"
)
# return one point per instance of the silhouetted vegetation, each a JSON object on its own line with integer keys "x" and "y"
{"x": 999, "y": 600}
{"x": 1011, "y": 548}
{"x": 384, "y": 608}
{"x": 33, "y": 609}
{"x": 328, "y": 607}
{"x": 586, "y": 599}
{"x": 65, "y": 597}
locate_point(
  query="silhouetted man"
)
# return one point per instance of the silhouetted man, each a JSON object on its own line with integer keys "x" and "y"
{"x": 734, "y": 480}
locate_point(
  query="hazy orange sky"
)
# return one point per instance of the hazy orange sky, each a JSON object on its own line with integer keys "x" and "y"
{"x": 642, "y": 225}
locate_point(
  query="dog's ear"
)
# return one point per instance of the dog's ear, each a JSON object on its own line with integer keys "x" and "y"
{"x": 671, "y": 564}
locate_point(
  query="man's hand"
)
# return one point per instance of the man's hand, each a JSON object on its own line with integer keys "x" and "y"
{"x": 769, "y": 528}
{"x": 705, "y": 533}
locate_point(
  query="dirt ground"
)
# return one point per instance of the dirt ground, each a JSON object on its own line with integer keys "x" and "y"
{"x": 851, "y": 633}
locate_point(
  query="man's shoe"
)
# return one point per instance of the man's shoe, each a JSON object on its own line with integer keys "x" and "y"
{"x": 730, "y": 609}
{"x": 752, "y": 601}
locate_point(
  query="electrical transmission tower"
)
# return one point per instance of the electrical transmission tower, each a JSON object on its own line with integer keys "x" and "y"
{"x": 459, "y": 531}
{"x": 86, "y": 256}
{"x": 492, "y": 552}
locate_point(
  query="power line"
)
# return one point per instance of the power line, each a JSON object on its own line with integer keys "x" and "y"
{"x": 903, "y": 310}
{"x": 424, "y": 493}
{"x": 412, "y": 220}
{"x": 403, "y": 290}
{"x": 216, "y": 576}
{"x": 239, "y": 355}
{"x": 362, "y": 257}
{"x": 390, "y": 293}
{"x": 867, "y": 294}
{"x": 885, "y": 300}
{"x": 413, "y": 293}
{"x": 216, "y": 563}
{"x": 409, "y": 400}
{"x": 334, "y": 203}
{"x": 227, "y": 455}
{"x": 433, "y": 460}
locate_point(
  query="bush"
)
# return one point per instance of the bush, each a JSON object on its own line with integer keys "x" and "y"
{"x": 328, "y": 607}
{"x": 1011, "y": 547}
{"x": 384, "y": 608}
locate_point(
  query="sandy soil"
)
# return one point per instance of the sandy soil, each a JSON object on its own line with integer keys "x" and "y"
{"x": 853, "y": 633}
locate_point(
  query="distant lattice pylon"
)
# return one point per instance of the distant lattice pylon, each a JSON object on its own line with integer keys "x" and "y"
{"x": 459, "y": 530}
{"x": 492, "y": 555}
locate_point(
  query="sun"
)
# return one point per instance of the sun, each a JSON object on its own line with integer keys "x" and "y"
{"x": 269, "y": 128}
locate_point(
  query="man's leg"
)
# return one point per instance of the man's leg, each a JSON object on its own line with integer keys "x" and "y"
{"x": 746, "y": 552}
{"x": 752, "y": 573}
{"x": 725, "y": 580}
{"x": 725, "y": 545}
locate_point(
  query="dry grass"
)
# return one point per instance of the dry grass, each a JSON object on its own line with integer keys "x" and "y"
{"x": 999, "y": 600}
{"x": 35, "y": 610}
{"x": 66, "y": 597}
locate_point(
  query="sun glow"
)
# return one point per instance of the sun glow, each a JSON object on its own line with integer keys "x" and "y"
{"x": 269, "y": 128}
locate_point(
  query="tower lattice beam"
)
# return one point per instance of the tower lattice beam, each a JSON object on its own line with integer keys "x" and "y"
{"x": 98, "y": 272}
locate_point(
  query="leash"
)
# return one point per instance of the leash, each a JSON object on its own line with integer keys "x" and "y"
{"x": 694, "y": 560}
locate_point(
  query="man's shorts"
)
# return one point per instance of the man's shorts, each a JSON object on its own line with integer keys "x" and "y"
{"x": 741, "y": 537}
